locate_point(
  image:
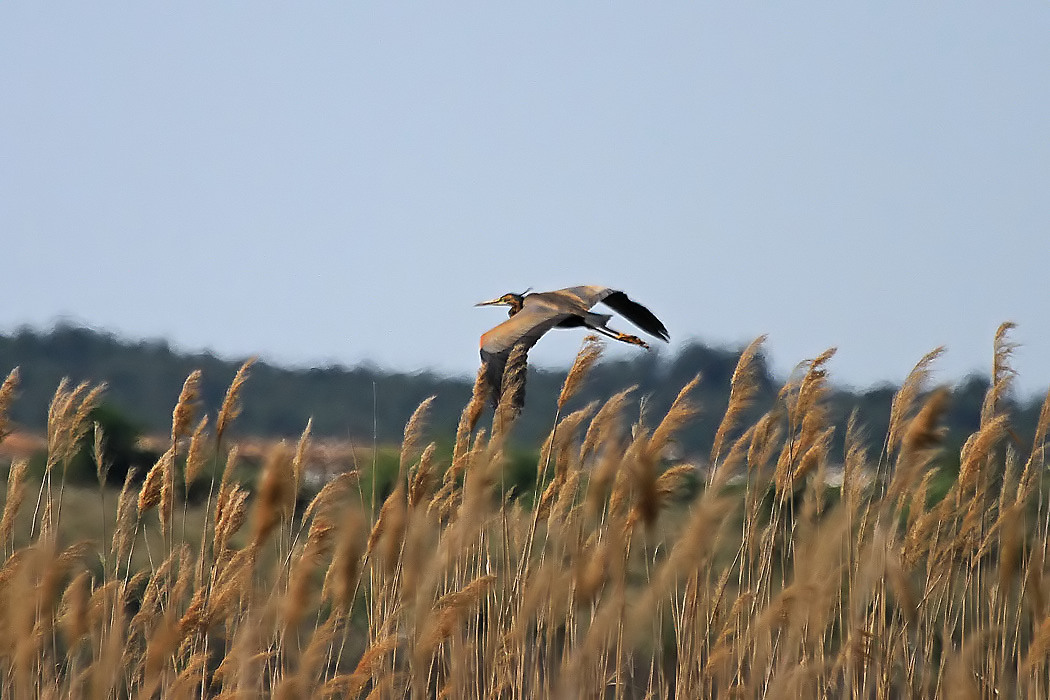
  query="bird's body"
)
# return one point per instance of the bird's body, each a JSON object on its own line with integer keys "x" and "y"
{"x": 532, "y": 315}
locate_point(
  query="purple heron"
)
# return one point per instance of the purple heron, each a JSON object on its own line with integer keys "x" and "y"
{"x": 532, "y": 315}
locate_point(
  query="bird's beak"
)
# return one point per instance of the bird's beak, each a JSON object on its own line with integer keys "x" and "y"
{"x": 491, "y": 302}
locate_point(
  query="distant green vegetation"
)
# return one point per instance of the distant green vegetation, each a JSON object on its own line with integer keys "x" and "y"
{"x": 144, "y": 379}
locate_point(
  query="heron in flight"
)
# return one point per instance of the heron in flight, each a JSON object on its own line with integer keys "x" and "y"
{"x": 532, "y": 315}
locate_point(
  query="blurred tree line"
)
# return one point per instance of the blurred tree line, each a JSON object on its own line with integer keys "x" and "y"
{"x": 144, "y": 379}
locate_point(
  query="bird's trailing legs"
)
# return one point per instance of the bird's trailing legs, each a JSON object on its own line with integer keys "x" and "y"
{"x": 624, "y": 337}
{"x": 633, "y": 340}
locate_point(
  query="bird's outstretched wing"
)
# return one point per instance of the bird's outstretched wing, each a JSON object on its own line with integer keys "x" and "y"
{"x": 522, "y": 329}
{"x": 587, "y": 295}
{"x": 636, "y": 314}
{"x": 619, "y": 302}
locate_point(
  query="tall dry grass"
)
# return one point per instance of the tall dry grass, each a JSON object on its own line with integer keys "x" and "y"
{"x": 764, "y": 582}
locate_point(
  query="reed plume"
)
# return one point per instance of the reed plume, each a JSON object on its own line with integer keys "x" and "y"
{"x": 905, "y": 397}
{"x": 586, "y": 358}
{"x": 197, "y": 455}
{"x": 512, "y": 389}
{"x": 16, "y": 492}
{"x": 921, "y": 436}
{"x": 182, "y": 416}
{"x": 681, "y": 412}
{"x": 150, "y": 493}
{"x": 8, "y": 392}
{"x": 341, "y": 579}
{"x": 231, "y": 403}
{"x": 1002, "y": 373}
{"x": 299, "y": 460}
{"x": 276, "y": 493}
{"x": 413, "y": 436}
{"x": 743, "y": 386}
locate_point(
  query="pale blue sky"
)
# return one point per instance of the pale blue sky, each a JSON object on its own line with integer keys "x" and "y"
{"x": 319, "y": 182}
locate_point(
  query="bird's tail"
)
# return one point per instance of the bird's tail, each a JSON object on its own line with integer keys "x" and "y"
{"x": 598, "y": 320}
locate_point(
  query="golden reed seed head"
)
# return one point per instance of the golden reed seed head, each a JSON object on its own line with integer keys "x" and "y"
{"x": 606, "y": 423}
{"x": 743, "y": 386}
{"x": 923, "y": 432}
{"x": 162, "y": 642}
{"x": 1028, "y": 480}
{"x": 813, "y": 388}
{"x": 512, "y": 391}
{"x": 190, "y": 678}
{"x": 1011, "y": 542}
{"x": 320, "y": 537}
{"x": 559, "y": 442}
{"x": 413, "y": 435}
{"x": 59, "y": 407}
{"x": 732, "y": 462}
{"x": 478, "y": 396}
{"x": 920, "y": 438}
{"x": 184, "y": 581}
{"x": 642, "y": 470}
{"x": 814, "y": 456}
{"x": 276, "y": 493}
{"x": 231, "y": 463}
{"x": 807, "y": 418}
{"x": 341, "y": 579}
{"x": 917, "y": 502}
{"x": 369, "y": 663}
{"x": 602, "y": 476}
{"x": 299, "y": 461}
{"x": 297, "y": 598}
{"x": 389, "y": 529}
{"x": 589, "y": 353}
{"x": 1042, "y": 425}
{"x": 197, "y": 454}
{"x": 167, "y": 504}
{"x": 68, "y": 421}
{"x": 231, "y": 513}
{"x": 976, "y": 450}
{"x": 83, "y": 411}
{"x": 423, "y": 479}
{"x": 330, "y": 493}
{"x": 450, "y": 610}
{"x": 1002, "y": 373}
{"x": 905, "y": 397}
{"x": 673, "y": 480}
{"x": 103, "y": 600}
{"x": 1003, "y": 350}
{"x": 185, "y": 408}
{"x": 16, "y": 491}
{"x": 232, "y": 585}
{"x": 764, "y": 441}
{"x": 150, "y": 493}
{"x": 680, "y": 413}
{"x": 231, "y": 403}
{"x": 566, "y": 497}
{"x": 73, "y": 618}
{"x": 468, "y": 419}
{"x": 313, "y": 657}
{"x": 98, "y": 453}
{"x": 8, "y": 392}
{"x": 124, "y": 531}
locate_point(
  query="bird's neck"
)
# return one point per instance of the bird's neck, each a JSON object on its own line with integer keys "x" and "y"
{"x": 515, "y": 306}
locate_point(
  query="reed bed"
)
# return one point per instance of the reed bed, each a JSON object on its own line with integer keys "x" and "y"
{"x": 619, "y": 578}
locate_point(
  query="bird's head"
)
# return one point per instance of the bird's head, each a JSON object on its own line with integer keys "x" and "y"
{"x": 514, "y": 301}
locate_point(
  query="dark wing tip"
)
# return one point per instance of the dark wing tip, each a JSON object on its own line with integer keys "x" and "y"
{"x": 505, "y": 375}
{"x": 637, "y": 314}
{"x": 494, "y": 364}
